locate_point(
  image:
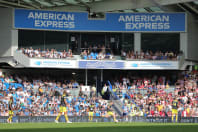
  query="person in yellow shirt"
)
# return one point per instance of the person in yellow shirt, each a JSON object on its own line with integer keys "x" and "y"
{"x": 134, "y": 111}
{"x": 63, "y": 109}
{"x": 91, "y": 111}
{"x": 174, "y": 109}
{"x": 188, "y": 110}
{"x": 111, "y": 113}
{"x": 11, "y": 108}
{"x": 167, "y": 86}
{"x": 160, "y": 107}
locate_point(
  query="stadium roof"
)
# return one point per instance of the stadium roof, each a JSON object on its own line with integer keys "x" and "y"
{"x": 101, "y": 6}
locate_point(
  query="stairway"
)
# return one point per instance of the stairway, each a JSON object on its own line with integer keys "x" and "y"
{"x": 117, "y": 107}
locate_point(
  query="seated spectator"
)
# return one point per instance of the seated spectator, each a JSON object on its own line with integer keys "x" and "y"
{"x": 149, "y": 98}
{"x": 95, "y": 52}
{"x": 149, "y": 55}
{"x": 53, "y": 53}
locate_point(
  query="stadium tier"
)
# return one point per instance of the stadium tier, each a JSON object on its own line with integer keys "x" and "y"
{"x": 150, "y": 96}
{"x": 98, "y": 61}
{"x": 94, "y": 53}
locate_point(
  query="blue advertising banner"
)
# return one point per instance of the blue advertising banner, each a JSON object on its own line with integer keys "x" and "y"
{"x": 101, "y": 64}
{"x": 57, "y": 63}
{"x": 151, "y": 65}
{"x": 79, "y": 21}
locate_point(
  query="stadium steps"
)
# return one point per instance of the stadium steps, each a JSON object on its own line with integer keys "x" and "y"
{"x": 117, "y": 107}
{"x": 9, "y": 60}
{"x": 186, "y": 63}
{"x": 21, "y": 59}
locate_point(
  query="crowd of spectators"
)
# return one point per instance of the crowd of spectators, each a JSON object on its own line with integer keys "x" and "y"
{"x": 91, "y": 53}
{"x": 99, "y": 52}
{"x": 96, "y": 52}
{"x": 52, "y": 53}
{"x": 152, "y": 97}
{"x": 147, "y": 96}
{"x": 42, "y": 98}
{"x": 149, "y": 55}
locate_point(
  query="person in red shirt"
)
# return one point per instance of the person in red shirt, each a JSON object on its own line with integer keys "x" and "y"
{"x": 152, "y": 112}
{"x": 162, "y": 113}
{"x": 184, "y": 113}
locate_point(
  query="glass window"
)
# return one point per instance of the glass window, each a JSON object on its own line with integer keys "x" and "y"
{"x": 92, "y": 39}
{"x": 31, "y": 38}
{"x": 113, "y": 40}
{"x": 55, "y": 40}
{"x": 160, "y": 42}
{"x": 127, "y": 41}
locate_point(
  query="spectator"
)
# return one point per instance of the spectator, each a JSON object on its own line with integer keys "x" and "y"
{"x": 53, "y": 53}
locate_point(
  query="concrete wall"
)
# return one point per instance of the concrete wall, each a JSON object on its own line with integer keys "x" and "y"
{"x": 14, "y": 41}
{"x": 183, "y": 43}
{"x": 8, "y": 36}
{"x": 192, "y": 38}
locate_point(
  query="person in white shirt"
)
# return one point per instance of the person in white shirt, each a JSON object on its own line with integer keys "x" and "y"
{"x": 104, "y": 89}
{"x": 1, "y": 74}
{"x": 36, "y": 52}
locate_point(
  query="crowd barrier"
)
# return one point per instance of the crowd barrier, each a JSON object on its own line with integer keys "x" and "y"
{"x": 22, "y": 119}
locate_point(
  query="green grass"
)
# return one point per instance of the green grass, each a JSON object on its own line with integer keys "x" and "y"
{"x": 99, "y": 127}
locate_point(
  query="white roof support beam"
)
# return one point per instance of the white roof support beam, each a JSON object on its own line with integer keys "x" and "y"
{"x": 49, "y": 1}
{"x": 2, "y": 5}
{"x": 16, "y": 4}
{"x": 113, "y": 5}
{"x": 85, "y": 4}
{"x": 67, "y": 8}
{"x": 32, "y": 4}
{"x": 192, "y": 8}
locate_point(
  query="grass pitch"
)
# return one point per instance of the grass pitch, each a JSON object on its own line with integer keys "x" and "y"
{"x": 99, "y": 127}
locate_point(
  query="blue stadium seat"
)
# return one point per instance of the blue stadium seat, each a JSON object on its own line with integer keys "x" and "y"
{"x": 2, "y": 79}
{"x": 94, "y": 57}
{"x": 7, "y": 85}
{"x": 85, "y": 57}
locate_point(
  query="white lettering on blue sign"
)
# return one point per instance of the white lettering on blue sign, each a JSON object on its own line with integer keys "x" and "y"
{"x": 54, "y": 24}
{"x": 51, "y": 16}
{"x": 147, "y": 22}
{"x": 147, "y": 26}
{"x": 54, "y": 20}
{"x": 78, "y": 21}
{"x": 143, "y": 18}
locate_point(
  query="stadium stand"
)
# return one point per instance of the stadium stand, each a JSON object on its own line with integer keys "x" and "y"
{"x": 97, "y": 52}
{"x": 149, "y": 55}
{"x": 41, "y": 98}
{"x": 149, "y": 97}
{"x": 98, "y": 61}
{"x": 145, "y": 97}
{"x": 92, "y": 53}
{"x": 52, "y": 53}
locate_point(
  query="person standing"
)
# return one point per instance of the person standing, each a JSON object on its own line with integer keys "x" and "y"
{"x": 111, "y": 113}
{"x": 174, "y": 109}
{"x": 91, "y": 111}
{"x": 11, "y": 110}
{"x": 63, "y": 108}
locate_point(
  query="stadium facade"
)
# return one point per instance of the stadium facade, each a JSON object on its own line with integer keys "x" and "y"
{"x": 95, "y": 51}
